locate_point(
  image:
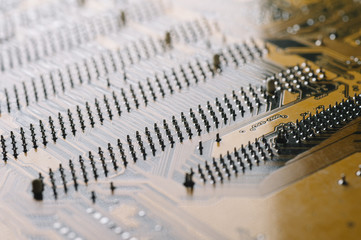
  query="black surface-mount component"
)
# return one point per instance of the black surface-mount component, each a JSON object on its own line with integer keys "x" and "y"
{"x": 38, "y": 189}
{"x": 188, "y": 181}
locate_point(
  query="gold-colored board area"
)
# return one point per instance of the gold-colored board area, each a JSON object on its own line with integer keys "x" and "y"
{"x": 291, "y": 112}
{"x": 316, "y": 207}
{"x": 288, "y": 97}
{"x": 268, "y": 123}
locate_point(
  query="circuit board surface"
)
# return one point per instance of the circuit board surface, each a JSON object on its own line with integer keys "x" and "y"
{"x": 166, "y": 119}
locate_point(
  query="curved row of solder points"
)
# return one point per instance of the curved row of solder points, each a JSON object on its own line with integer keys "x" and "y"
{"x": 206, "y": 71}
{"x": 89, "y": 70}
{"x": 148, "y": 134}
{"x": 156, "y": 140}
{"x": 223, "y": 167}
{"x": 221, "y": 113}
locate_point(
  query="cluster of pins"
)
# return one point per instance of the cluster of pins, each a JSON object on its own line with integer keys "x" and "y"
{"x": 85, "y": 71}
{"x": 102, "y": 65}
{"x": 38, "y": 191}
{"x": 114, "y": 61}
{"x": 229, "y": 109}
{"x": 295, "y": 78}
{"x": 169, "y": 81}
{"x": 192, "y": 124}
{"x": 193, "y": 72}
{"x": 67, "y": 38}
{"x": 189, "y": 31}
{"x": 248, "y": 155}
{"x": 224, "y": 167}
{"x": 314, "y": 126}
{"x": 84, "y": 165}
{"x": 255, "y": 98}
{"x": 142, "y": 12}
{"x": 135, "y": 99}
{"x": 76, "y": 34}
{"x": 54, "y": 129}
{"x": 240, "y": 54}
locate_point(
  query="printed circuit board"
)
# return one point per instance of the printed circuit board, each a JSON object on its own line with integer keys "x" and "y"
{"x": 178, "y": 119}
